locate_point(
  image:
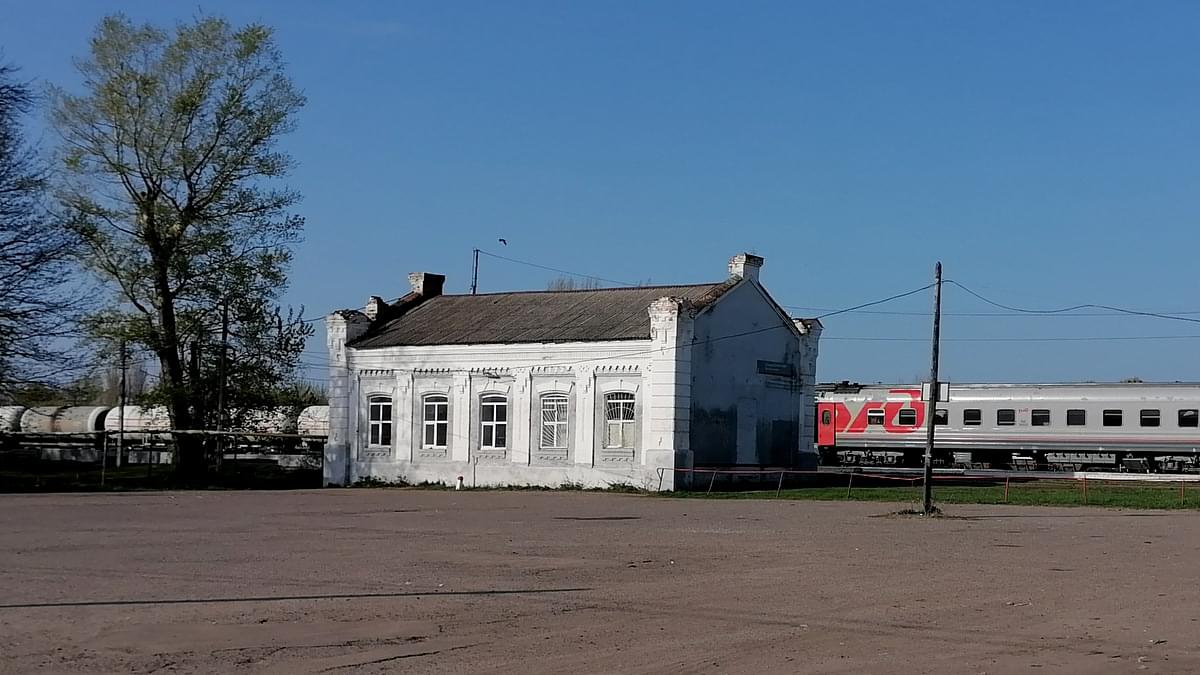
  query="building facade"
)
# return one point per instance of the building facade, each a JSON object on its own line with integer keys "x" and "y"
{"x": 595, "y": 388}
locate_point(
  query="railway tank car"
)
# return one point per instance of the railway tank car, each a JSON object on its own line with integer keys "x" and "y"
{"x": 1134, "y": 427}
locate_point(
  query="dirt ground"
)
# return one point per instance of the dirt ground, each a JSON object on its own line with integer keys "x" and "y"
{"x": 341, "y": 581}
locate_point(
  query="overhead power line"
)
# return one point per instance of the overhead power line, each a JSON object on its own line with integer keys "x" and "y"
{"x": 555, "y": 269}
{"x": 1073, "y": 308}
{"x": 1096, "y": 338}
{"x": 1009, "y": 315}
{"x": 876, "y": 302}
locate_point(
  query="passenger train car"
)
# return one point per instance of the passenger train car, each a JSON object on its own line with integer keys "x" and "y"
{"x": 1133, "y": 427}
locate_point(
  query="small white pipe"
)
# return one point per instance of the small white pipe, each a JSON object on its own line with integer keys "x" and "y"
{"x": 459, "y": 485}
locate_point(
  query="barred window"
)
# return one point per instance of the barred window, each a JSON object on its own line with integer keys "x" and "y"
{"x": 493, "y": 416}
{"x": 619, "y": 417}
{"x": 435, "y": 420}
{"x": 554, "y": 421}
{"x": 379, "y": 420}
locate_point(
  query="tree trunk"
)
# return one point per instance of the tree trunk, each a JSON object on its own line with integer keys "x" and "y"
{"x": 189, "y": 450}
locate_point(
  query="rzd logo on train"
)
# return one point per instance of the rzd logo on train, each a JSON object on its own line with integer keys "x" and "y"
{"x": 845, "y": 423}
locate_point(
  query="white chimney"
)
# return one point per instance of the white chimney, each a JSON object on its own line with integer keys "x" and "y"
{"x": 745, "y": 266}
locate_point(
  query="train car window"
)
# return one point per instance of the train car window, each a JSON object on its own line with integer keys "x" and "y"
{"x": 1076, "y": 418}
{"x": 1112, "y": 418}
{"x": 941, "y": 417}
{"x": 1040, "y": 418}
{"x": 1006, "y": 417}
{"x": 875, "y": 417}
{"x": 1150, "y": 418}
{"x": 908, "y": 417}
{"x": 1189, "y": 418}
{"x": 826, "y": 417}
{"x": 972, "y": 417}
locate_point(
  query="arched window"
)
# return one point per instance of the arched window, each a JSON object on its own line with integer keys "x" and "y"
{"x": 493, "y": 416}
{"x": 435, "y": 420}
{"x": 619, "y": 420}
{"x": 554, "y": 421}
{"x": 379, "y": 420}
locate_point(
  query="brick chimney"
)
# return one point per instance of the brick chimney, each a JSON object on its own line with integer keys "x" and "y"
{"x": 426, "y": 284}
{"x": 374, "y": 305}
{"x": 745, "y": 266}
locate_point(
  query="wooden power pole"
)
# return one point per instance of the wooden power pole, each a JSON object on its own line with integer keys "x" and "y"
{"x": 931, "y": 402}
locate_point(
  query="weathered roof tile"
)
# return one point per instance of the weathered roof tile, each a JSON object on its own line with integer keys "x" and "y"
{"x": 533, "y": 316}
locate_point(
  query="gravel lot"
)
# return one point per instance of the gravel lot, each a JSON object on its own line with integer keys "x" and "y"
{"x": 535, "y": 582}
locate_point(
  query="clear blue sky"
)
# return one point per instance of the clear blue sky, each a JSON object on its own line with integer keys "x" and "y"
{"x": 1045, "y": 152}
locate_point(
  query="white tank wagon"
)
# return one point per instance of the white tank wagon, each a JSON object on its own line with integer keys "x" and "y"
{"x": 141, "y": 423}
{"x": 10, "y": 417}
{"x": 63, "y": 432}
{"x": 63, "y": 419}
{"x": 40, "y": 419}
{"x": 267, "y": 421}
{"x": 313, "y": 421}
{"x": 1139, "y": 427}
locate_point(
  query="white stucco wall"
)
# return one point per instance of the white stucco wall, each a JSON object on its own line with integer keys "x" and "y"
{"x": 739, "y": 414}
{"x": 523, "y": 373}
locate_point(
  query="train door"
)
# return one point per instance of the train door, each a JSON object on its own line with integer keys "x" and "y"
{"x": 826, "y": 431}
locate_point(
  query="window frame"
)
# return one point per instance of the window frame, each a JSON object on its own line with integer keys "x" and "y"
{"x": 977, "y": 422}
{"x": 1010, "y": 414}
{"x": 875, "y": 417}
{"x": 561, "y": 403}
{"x": 900, "y": 417}
{"x": 495, "y": 403}
{"x": 1183, "y": 413}
{"x": 1147, "y": 414}
{"x": 435, "y": 401}
{"x": 1040, "y": 417}
{"x": 379, "y": 428}
{"x": 625, "y": 426}
{"x": 1082, "y": 420}
{"x": 941, "y": 417}
{"x": 1109, "y": 414}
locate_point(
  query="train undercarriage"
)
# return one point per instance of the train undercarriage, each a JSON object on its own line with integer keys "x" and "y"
{"x": 1132, "y": 461}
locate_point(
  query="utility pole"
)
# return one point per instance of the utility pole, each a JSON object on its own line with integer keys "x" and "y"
{"x": 221, "y": 379}
{"x": 931, "y": 404}
{"x": 121, "y": 404}
{"x": 475, "y": 272}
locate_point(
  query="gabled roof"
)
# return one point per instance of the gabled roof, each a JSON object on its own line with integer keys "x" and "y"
{"x": 533, "y": 316}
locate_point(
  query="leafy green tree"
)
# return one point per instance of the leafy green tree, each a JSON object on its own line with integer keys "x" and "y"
{"x": 33, "y": 306}
{"x": 171, "y": 163}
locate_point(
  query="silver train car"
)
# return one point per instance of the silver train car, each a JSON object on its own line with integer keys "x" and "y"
{"x": 1131, "y": 427}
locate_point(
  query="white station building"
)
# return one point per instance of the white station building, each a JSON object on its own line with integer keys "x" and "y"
{"x": 598, "y": 387}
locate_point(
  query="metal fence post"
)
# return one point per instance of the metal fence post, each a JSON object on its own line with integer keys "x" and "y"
{"x": 711, "y": 481}
{"x": 780, "y": 487}
{"x": 1006, "y": 489}
{"x": 849, "y": 484}
{"x": 1085, "y": 497}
